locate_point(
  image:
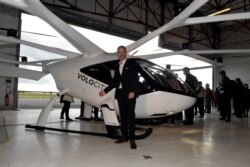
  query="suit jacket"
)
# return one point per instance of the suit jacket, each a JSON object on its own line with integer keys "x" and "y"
{"x": 192, "y": 81}
{"x": 129, "y": 78}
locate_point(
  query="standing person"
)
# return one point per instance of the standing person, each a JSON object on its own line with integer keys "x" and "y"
{"x": 126, "y": 83}
{"x": 200, "y": 92}
{"x": 66, "y": 100}
{"x": 246, "y": 100}
{"x": 225, "y": 97}
{"x": 82, "y": 110}
{"x": 208, "y": 98}
{"x": 96, "y": 113}
{"x": 216, "y": 97}
{"x": 237, "y": 97}
{"x": 192, "y": 82}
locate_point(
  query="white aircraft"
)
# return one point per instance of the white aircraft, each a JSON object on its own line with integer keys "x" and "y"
{"x": 84, "y": 75}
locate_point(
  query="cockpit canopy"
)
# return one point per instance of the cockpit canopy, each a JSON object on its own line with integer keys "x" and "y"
{"x": 151, "y": 77}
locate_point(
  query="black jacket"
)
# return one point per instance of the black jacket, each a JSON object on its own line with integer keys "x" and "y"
{"x": 192, "y": 81}
{"x": 129, "y": 78}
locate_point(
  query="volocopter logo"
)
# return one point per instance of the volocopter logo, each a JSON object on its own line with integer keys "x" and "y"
{"x": 91, "y": 81}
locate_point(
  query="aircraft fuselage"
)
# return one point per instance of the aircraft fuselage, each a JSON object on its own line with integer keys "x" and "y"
{"x": 81, "y": 76}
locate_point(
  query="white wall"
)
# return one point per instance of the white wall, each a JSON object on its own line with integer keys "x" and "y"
{"x": 237, "y": 67}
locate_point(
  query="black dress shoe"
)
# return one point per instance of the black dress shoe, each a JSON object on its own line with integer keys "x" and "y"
{"x": 61, "y": 117}
{"x": 188, "y": 122}
{"x": 132, "y": 144}
{"x": 221, "y": 118}
{"x": 98, "y": 119}
{"x": 69, "y": 119}
{"x": 121, "y": 140}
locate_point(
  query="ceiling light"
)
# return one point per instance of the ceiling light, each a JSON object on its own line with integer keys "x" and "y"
{"x": 219, "y": 12}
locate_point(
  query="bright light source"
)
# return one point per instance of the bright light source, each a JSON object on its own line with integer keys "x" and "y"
{"x": 219, "y": 12}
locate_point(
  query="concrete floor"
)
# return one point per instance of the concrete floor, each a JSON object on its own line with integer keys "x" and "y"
{"x": 208, "y": 143}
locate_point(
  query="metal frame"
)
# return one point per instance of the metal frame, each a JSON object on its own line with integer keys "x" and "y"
{"x": 205, "y": 35}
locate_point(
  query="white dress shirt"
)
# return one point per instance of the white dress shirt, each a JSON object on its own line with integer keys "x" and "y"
{"x": 121, "y": 65}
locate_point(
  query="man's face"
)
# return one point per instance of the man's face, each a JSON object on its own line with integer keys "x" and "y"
{"x": 185, "y": 72}
{"x": 222, "y": 76}
{"x": 121, "y": 53}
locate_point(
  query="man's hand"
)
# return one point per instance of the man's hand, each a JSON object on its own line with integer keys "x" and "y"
{"x": 131, "y": 95}
{"x": 102, "y": 93}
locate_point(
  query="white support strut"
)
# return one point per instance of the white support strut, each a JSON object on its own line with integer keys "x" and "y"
{"x": 45, "y": 112}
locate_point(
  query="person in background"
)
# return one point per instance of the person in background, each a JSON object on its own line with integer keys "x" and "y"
{"x": 237, "y": 97}
{"x": 246, "y": 100}
{"x": 82, "y": 110}
{"x": 225, "y": 97}
{"x": 96, "y": 114}
{"x": 66, "y": 100}
{"x": 200, "y": 93}
{"x": 174, "y": 85}
{"x": 168, "y": 66}
{"x": 208, "y": 98}
{"x": 216, "y": 97}
{"x": 192, "y": 81}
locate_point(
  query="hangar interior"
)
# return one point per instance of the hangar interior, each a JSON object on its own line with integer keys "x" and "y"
{"x": 140, "y": 17}
{"x": 211, "y": 148}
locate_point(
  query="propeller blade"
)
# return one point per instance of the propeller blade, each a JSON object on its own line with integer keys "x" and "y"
{"x": 17, "y": 62}
{"x": 35, "y": 7}
{"x": 38, "y": 34}
{"x": 194, "y": 54}
{"x": 12, "y": 71}
{"x": 176, "y": 22}
{"x": 62, "y": 52}
{"x": 30, "y": 63}
{"x": 217, "y": 18}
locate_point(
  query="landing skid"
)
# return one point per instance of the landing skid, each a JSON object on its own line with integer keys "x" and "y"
{"x": 88, "y": 119}
{"x": 65, "y": 130}
{"x": 147, "y": 131}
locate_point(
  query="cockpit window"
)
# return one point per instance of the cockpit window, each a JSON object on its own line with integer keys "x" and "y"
{"x": 165, "y": 78}
{"x": 151, "y": 76}
{"x": 101, "y": 72}
{"x": 105, "y": 72}
{"x": 144, "y": 85}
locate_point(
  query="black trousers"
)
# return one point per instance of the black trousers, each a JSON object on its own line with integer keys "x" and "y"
{"x": 65, "y": 109}
{"x": 225, "y": 107}
{"x": 200, "y": 102}
{"x": 127, "y": 114}
{"x": 237, "y": 107}
{"x": 189, "y": 114}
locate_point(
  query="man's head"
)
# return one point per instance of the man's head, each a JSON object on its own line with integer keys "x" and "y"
{"x": 207, "y": 85}
{"x": 186, "y": 71}
{"x": 168, "y": 66}
{"x": 122, "y": 53}
{"x": 238, "y": 80}
{"x": 223, "y": 74}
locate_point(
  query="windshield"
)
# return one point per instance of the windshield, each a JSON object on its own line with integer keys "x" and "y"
{"x": 165, "y": 78}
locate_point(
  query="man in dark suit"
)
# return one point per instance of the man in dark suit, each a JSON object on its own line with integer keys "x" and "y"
{"x": 192, "y": 82}
{"x": 225, "y": 97}
{"x": 126, "y": 83}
